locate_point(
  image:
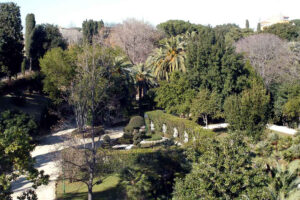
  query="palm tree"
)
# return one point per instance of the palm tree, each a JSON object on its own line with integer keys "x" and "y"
{"x": 168, "y": 58}
{"x": 285, "y": 183}
{"x": 143, "y": 79}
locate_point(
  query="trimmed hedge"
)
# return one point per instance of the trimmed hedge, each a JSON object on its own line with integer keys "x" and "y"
{"x": 135, "y": 122}
{"x": 158, "y": 117}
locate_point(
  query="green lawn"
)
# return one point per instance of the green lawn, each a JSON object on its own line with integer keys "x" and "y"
{"x": 108, "y": 190}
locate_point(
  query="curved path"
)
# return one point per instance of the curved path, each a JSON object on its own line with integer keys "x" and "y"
{"x": 46, "y": 155}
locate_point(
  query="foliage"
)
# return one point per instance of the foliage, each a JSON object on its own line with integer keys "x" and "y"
{"x": 213, "y": 65}
{"x": 225, "y": 170}
{"x": 285, "y": 181}
{"x": 44, "y": 38}
{"x": 11, "y": 39}
{"x": 248, "y": 112}
{"x": 258, "y": 28}
{"x": 59, "y": 68}
{"x": 90, "y": 28}
{"x": 143, "y": 79}
{"x": 173, "y": 28}
{"x": 247, "y": 24}
{"x": 206, "y": 104}
{"x": 12, "y": 119}
{"x": 231, "y": 33}
{"x": 135, "y": 122}
{"x": 291, "y": 109}
{"x": 30, "y": 25}
{"x": 176, "y": 95}
{"x": 159, "y": 118}
{"x": 15, "y": 147}
{"x": 283, "y": 94}
{"x": 150, "y": 174}
{"x": 168, "y": 58}
{"x": 286, "y": 31}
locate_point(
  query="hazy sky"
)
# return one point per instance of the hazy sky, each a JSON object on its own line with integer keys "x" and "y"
{"x": 68, "y": 13}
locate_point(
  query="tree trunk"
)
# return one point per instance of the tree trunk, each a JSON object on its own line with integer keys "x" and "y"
{"x": 205, "y": 120}
{"x": 30, "y": 64}
{"x": 90, "y": 193}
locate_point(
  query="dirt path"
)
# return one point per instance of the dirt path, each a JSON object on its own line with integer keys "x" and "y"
{"x": 46, "y": 154}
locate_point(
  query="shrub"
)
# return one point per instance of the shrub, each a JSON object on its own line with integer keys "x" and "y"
{"x": 135, "y": 122}
{"x": 159, "y": 118}
{"x": 106, "y": 142}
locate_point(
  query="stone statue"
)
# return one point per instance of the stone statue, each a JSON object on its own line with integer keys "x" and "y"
{"x": 164, "y": 129}
{"x": 175, "y": 134}
{"x": 186, "y": 137}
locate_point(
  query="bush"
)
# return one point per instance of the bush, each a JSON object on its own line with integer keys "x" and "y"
{"x": 106, "y": 142}
{"x": 159, "y": 118}
{"x": 126, "y": 139}
{"x": 135, "y": 122}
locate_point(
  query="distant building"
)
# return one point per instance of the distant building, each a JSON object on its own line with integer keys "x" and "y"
{"x": 72, "y": 35}
{"x": 278, "y": 19}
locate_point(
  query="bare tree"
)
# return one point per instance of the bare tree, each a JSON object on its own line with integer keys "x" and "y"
{"x": 136, "y": 38}
{"x": 270, "y": 56}
{"x": 88, "y": 90}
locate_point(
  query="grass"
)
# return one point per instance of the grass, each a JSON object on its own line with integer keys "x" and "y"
{"x": 110, "y": 189}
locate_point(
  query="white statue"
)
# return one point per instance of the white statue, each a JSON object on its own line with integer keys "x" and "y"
{"x": 175, "y": 134}
{"x": 152, "y": 126}
{"x": 164, "y": 129}
{"x": 186, "y": 137}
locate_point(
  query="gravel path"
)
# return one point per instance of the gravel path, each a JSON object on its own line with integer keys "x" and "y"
{"x": 46, "y": 154}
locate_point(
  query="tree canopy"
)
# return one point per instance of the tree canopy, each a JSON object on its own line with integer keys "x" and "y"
{"x": 15, "y": 147}
{"x": 11, "y": 39}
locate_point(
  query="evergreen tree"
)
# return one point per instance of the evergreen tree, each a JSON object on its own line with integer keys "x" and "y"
{"x": 11, "y": 39}
{"x": 225, "y": 169}
{"x": 30, "y": 25}
{"x": 44, "y": 38}
{"x": 258, "y": 29}
{"x": 90, "y": 28}
{"x": 248, "y": 112}
{"x": 247, "y": 24}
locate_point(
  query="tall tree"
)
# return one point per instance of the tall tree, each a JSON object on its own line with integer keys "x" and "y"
{"x": 215, "y": 66}
{"x": 270, "y": 56}
{"x": 143, "y": 79}
{"x": 286, "y": 31}
{"x": 168, "y": 58}
{"x": 248, "y": 112}
{"x": 173, "y": 28}
{"x": 136, "y": 38}
{"x": 30, "y": 25}
{"x": 206, "y": 104}
{"x": 11, "y": 39}
{"x": 258, "y": 28}
{"x": 90, "y": 28}
{"x": 45, "y": 37}
{"x": 89, "y": 88}
{"x": 247, "y": 24}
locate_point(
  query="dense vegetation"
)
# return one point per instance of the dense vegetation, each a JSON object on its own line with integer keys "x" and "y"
{"x": 165, "y": 82}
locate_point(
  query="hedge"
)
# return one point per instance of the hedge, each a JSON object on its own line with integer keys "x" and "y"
{"x": 158, "y": 117}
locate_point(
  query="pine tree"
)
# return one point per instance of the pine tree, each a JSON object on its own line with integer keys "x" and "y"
{"x": 30, "y": 25}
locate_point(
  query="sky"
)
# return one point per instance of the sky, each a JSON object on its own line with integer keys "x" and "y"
{"x": 70, "y": 13}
